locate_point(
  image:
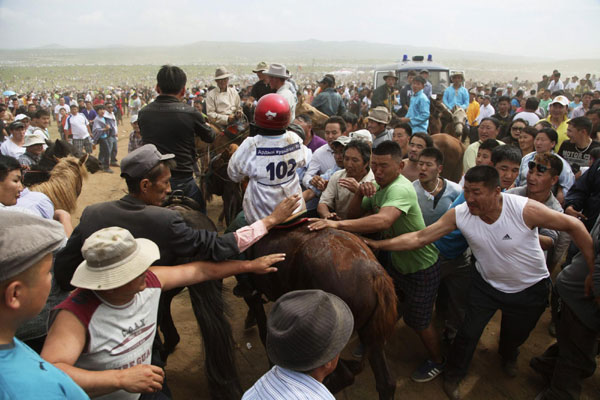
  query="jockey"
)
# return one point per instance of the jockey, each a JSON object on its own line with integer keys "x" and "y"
{"x": 270, "y": 159}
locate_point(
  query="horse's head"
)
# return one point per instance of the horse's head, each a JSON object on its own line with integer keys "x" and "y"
{"x": 459, "y": 119}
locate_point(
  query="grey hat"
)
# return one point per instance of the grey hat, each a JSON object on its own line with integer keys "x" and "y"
{"x": 277, "y": 71}
{"x": 24, "y": 240}
{"x": 137, "y": 163}
{"x": 221, "y": 73}
{"x": 390, "y": 74}
{"x": 380, "y": 114}
{"x": 307, "y": 328}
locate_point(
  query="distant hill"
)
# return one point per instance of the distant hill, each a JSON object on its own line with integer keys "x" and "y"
{"x": 313, "y": 53}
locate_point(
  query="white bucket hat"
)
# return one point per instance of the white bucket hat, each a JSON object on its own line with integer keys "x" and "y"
{"x": 277, "y": 71}
{"x": 221, "y": 73}
{"x": 113, "y": 258}
{"x": 36, "y": 137}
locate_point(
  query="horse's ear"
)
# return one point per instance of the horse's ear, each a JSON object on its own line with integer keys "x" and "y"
{"x": 83, "y": 159}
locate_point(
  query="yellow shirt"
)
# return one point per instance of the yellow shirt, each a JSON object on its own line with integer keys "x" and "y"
{"x": 561, "y": 130}
{"x": 473, "y": 113}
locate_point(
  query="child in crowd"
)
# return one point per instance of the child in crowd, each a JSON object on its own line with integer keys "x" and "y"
{"x": 26, "y": 246}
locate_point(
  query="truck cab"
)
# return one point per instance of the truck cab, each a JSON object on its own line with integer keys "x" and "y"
{"x": 439, "y": 75}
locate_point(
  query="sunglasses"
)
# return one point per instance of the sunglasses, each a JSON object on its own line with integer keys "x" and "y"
{"x": 517, "y": 128}
{"x": 540, "y": 167}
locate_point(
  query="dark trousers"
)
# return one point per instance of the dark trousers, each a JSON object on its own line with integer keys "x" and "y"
{"x": 520, "y": 313}
{"x": 105, "y": 151}
{"x": 113, "y": 148}
{"x": 190, "y": 189}
{"x": 453, "y": 293}
{"x": 570, "y": 360}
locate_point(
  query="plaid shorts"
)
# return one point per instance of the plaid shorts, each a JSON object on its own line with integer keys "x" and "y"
{"x": 80, "y": 144}
{"x": 417, "y": 291}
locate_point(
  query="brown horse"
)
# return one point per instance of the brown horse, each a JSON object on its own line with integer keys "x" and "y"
{"x": 453, "y": 151}
{"x": 210, "y": 312}
{"x": 214, "y": 159}
{"x": 318, "y": 118}
{"x": 340, "y": 263}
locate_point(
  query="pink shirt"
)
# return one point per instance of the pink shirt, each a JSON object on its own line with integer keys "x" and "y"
{"x": 248, "y": 235}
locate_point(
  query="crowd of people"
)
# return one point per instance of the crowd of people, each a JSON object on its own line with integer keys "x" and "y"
{"x": 527, "y": 205}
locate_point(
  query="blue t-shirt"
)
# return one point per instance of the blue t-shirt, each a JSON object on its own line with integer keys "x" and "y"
{"x": 25, "y": 375}
{"x": 453, "y": 244}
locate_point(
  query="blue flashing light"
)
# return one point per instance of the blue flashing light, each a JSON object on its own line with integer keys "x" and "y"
{"x": 429, "y": 58}
{"x": 405, "y": 58}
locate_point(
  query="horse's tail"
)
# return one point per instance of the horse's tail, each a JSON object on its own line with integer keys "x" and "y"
{"x": 210, "y": 311}
{"x": 384, "y": 318}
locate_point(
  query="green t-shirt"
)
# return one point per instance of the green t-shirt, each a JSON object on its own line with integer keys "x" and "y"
{"x": 401, "y": 194}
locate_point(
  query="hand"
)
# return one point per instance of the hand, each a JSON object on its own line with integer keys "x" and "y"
{"x": 262, "y": 265}
{"x": 574, "y": 213}
{"x": 367, "y": 189}
{"x": 318, "y": 182}
{"x": 317, "y": 224}
{"x": 141, "y": 379}
{"x": 283, "y": 211}
{"x": 332, "y": 216}
{"x": 371, "y": 243}
{"x": 349, "y": 183}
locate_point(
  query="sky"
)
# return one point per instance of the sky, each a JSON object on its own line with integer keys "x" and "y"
{"x": 550, "y": 28}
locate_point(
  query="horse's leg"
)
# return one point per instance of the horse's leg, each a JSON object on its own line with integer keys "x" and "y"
{"x": 343, "y": 375}
{"x": 167, "y": 326}
{"x": 209, "y": 308}
{"x": 255, "y": 306}
{"x": 385, "y": 384}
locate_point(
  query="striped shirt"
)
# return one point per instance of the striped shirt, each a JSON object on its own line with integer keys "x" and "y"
{"x": 283, "y": 384}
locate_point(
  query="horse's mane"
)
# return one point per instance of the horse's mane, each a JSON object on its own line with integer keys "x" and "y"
{"x": 65, "y": 183}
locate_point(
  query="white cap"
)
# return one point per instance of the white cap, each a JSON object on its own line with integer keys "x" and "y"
{"x": 362, "y": 134}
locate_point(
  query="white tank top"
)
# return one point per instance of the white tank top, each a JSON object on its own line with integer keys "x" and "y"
{"x": 509, "y": 255}
{"x": 119, "y": 337}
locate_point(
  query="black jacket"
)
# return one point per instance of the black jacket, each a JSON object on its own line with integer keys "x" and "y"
{"x": 584, "y": 195}
{"x": 172, "y": 126}
{"x": 164, "y": 227}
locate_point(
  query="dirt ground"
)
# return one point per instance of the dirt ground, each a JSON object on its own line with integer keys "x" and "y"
{"x": 184, "y": 369}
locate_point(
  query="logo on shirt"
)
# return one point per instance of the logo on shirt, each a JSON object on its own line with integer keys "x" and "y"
{"x": 506, "y": 237}
{"x": 270, "y": 114}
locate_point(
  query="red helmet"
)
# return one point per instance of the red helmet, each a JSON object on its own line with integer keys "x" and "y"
{"x": 272, "y": 112}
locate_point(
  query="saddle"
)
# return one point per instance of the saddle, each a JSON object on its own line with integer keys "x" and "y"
{"x": 293, "y": 221}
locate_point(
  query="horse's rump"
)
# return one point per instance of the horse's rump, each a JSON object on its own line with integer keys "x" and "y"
{"x": 337, "y": 262}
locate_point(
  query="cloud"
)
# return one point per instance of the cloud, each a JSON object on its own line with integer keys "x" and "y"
{"x": 514, "y": 27}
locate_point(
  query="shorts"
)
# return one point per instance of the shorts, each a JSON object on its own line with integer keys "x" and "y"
{"x": 417, "y": 291}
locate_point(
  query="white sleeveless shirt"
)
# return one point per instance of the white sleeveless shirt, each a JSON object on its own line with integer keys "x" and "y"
{"x": 509, "y": 255}
{"x": 118, "y": 337}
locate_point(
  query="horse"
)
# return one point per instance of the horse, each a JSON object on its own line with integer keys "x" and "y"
{"x": 210, "y": 312}
{"x": 65, "y": 183}
{"x": 441, "y": 119}
{"x": 56, "y": 150}
{"x": 214, "y": 159}
{"x": 340, "y": 263}
{"x": 318, "y": 118}
{"x": 453, "y": 150}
